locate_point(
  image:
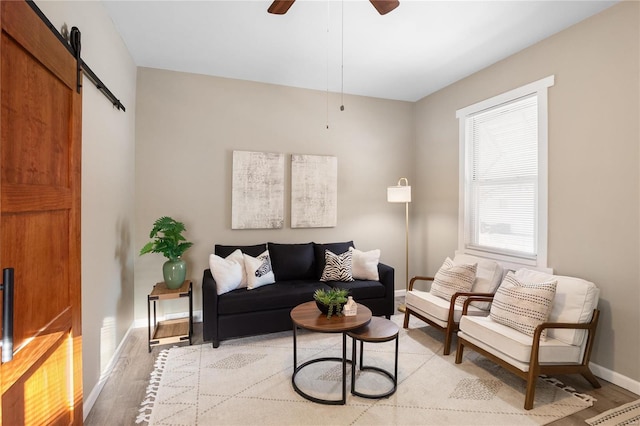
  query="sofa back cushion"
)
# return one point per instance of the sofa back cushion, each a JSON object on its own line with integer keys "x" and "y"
{"x": 574, "y": 302}
{"x": 489, "y": 274}
{"x": 335, "y": 248}
{"x": 254, "y": 250}
{"x": 292, "y": 261}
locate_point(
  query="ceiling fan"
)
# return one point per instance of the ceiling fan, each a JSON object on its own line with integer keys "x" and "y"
{"x": 280, "y": 7}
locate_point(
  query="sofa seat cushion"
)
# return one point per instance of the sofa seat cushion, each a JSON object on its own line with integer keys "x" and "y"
{"x": 282, "y": 294}
{"x": 493, "y": 337}
{"x": 361, "y": 289}
{"x": 436, "y": 308}
{"x": 293, "y": 261}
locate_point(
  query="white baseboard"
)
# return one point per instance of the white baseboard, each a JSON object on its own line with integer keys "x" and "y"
{"x": 90, "y": 400}
{"x": 616, "y": 378}
{"x": 399, "y": 293}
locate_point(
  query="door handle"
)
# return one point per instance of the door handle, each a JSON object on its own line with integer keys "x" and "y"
{"x": 7, "y": 314}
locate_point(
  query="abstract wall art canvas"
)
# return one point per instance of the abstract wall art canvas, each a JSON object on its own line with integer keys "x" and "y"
{"x": 314, "y": 191}
{"x": 257, "y": 196}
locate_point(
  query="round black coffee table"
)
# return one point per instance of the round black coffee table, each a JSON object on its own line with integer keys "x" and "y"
{"x": 309, "y": 317}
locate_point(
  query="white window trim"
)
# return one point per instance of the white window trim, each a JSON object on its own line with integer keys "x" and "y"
{"x": 540, "y": 88}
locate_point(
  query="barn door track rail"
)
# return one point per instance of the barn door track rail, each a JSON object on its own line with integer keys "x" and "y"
{"x": 73, "y": 46}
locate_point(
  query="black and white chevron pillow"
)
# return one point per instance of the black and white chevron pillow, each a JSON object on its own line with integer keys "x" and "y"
{"x": 337, "y": 267}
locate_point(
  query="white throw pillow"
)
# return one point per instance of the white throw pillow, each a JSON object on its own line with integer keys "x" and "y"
{"x": 337, "y": 267}
{"x": 239, "y": 257}
{"x": 451, "y": 279}
{"x": 364, "y": 264}
{"x": 227, "y": 273}
{"x": 523, "y": 306}
{"x": 259, "y": 270}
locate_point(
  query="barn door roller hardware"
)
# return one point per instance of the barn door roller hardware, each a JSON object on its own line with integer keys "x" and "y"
{"x": 73, "y": 46}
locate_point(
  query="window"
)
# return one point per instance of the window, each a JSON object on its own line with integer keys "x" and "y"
{"x": 503, "y": 176}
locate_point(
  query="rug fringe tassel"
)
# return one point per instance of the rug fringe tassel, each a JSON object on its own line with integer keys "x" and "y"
{"x": 152, "y": 388}
{"x": 583, "y": 396}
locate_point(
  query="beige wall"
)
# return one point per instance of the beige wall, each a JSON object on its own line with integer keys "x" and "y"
{"x": 107, "y": 189}
{"x": 594, "y": 166}
{"x": 187, "y": 127}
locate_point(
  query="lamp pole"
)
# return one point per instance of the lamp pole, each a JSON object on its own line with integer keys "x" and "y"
{"x": 403, "y": 306}
{"x": 402, "y": 194}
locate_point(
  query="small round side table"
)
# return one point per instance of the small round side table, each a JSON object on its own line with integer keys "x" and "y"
{"x": 376, "y": 331}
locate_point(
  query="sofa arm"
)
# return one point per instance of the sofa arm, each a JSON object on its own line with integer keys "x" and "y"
{"x": 209, "y": 308}
{"x": 386, "y": 275}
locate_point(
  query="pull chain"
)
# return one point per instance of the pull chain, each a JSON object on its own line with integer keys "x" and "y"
{"x": 342, "y": 64}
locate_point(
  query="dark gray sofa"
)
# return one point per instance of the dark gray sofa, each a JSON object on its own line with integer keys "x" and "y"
{"x": 297, "y": 269}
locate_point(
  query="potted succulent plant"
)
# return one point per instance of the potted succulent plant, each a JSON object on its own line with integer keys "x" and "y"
{"x": 331, "y": 301}
{"x": 169, "y": 241}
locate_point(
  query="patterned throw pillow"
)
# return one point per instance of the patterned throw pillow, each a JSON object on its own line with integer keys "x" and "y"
{"x": 523, "y": 306}
{"x": 259, "y": 270}
{"x": 451, "y": 279}
{"x": 337, "y": 267}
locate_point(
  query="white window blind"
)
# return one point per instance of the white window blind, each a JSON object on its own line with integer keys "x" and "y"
{"x": 503, "y": 190}
{"x": 503, "y": 176}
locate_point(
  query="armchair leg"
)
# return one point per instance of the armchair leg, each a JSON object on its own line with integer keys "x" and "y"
{"x": 531, "y": 389}
{"x": 587, "y": 374}
{"x": 447, "y": 342}
{"x": 406, "y": 318}
{"x": 459, "y": 350}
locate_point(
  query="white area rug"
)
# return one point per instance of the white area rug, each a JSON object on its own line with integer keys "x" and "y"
{"x": 625, "y": 415}
{"x": 248, "y": 382}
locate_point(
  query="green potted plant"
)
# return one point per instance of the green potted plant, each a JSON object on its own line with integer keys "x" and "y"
{"x": 169, "y": 241}
{"x": 331, "y": 301}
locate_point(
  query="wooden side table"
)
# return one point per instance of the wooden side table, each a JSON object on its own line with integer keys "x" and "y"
{"x": 378, "y": 330}
{"x": 169, "y": 331}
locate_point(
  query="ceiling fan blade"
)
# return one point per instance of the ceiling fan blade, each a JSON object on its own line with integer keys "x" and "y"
{"x": 385, "y": 6}
{"x": 280, "y": 7}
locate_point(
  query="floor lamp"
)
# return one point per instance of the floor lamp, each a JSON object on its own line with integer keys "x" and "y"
{"x": 402, "y": 194}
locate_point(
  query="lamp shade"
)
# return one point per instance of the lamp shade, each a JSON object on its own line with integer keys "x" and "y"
{"x": 399, "y": 193}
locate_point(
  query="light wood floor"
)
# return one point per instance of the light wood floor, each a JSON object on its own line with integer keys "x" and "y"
{"x": 120, "y": 398}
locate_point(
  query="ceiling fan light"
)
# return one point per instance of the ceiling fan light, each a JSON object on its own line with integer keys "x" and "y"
{"x": 280, "y": 7}
{"x": 385, "y": 6}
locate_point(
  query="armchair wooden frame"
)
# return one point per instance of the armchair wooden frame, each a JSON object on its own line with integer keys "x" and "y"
{"x": 535, "y": 368}
{"x": 452, "y": 325}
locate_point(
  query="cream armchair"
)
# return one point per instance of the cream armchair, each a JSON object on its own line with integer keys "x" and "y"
{"x": 570, "y": 329}
{"x": 443, "y": 314}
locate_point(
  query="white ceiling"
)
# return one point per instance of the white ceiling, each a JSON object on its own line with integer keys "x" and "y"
{"x": 413, "y": 51}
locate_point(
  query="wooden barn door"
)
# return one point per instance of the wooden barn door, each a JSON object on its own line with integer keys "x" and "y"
{"x": 40, "y": 221}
